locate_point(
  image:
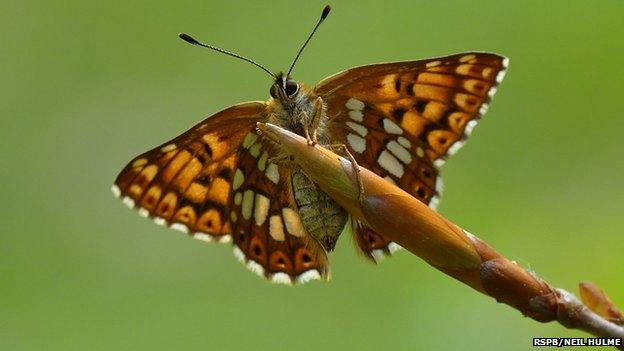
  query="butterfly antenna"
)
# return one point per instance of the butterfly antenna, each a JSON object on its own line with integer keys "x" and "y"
{"x": 189, "y": 39}
{"x": 323, "y": 16}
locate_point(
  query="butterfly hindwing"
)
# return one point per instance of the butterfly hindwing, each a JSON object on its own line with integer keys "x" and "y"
{"x": 216, "y": 182}
{"x": 373, "y": 245}
{"x": 268, "y": 232}
{"x": 402, "y": 120}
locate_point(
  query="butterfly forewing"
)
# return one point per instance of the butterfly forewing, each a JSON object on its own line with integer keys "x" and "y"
{"x": 401, "y": 120}
{"x": 216, "y": 182}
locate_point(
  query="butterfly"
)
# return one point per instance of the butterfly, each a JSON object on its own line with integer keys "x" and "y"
{"x": 222, "y": 181}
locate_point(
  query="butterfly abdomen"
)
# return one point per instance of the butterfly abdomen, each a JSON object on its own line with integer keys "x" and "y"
{"x": 322, "y": 217}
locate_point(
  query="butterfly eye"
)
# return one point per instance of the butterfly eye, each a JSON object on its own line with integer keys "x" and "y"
{"x": 291, "y": 87}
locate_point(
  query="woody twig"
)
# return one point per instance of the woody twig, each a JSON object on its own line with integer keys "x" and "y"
{"x": 405, "y": 220}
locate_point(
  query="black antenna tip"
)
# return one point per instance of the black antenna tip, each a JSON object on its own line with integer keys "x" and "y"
{"x": 325, "y": 12}
{"x": 189, "y": 39}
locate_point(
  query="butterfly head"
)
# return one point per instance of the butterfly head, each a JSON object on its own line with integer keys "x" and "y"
{"x": 291, "y": 101}
{"x": 284, "y": 89}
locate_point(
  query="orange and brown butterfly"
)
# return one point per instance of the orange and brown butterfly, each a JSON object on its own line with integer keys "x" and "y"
{"x": 222, "y": 181}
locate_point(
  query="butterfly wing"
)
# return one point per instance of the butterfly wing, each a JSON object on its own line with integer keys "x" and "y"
{"x": 216, "y": 183}
{"x": 268, "y": 232}
{"x": 401, "y": 120}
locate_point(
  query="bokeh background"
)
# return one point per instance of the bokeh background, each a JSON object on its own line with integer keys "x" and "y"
{"x": 88, "y": 85}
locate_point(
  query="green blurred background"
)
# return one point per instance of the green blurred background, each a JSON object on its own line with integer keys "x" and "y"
{"x": 86, "y": 86}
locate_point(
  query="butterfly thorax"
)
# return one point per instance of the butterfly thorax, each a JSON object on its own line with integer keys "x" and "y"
{"x": 294, "y": 112}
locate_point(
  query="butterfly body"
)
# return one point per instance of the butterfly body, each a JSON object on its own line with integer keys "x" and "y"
{"x": 303, "y": 112}
{"x": 221, "y": 181}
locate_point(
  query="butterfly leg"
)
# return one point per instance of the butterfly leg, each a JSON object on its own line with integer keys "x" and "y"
{"x": 306, "y": 130}
{"x": 311, "y": 126}
{"x": 342, "y": 148}
{"x": 316, "y": 120}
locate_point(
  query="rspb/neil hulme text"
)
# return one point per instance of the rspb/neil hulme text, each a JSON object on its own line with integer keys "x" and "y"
{"x": 563, "y": 342}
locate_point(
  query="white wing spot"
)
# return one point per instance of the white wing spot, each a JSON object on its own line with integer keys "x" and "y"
{"x": 116, "y": 191}
{"x": 276, "y": 228}
{"x": 262, "y": 161}
{"x": 281, "y": 278}
{"x": 500, "y": 76}
{"x": 400, "y": 152}
{"x": 354, "y": 104}
{"x": 238, "y": 198}
{"x": 239, "y": 178}
{"x": 306, "y": 276}
{"x": 403, "y": 141}
{"x": 358, "y": 144}
{"x": 261, "y": 209}
{"x": 470, "y": 126}
{"x": 378, "y": 254}
{"x": 434, "y": 202}
{"x": 250, "y": 139}
{"x": 180, "y": 227}
{"x": 391, "y": 127}
{"x": 225, "y": 239}
{"x": 160, "y": 221}
{"x": 356, "y": 115}
{"x": 143, "y": 212}
{"x": 456, "y": 146}
{"x": 292, "y": 222}
{"x": 420, "y": 152}
{"x": 483, "y": 109}
{"x": 255, "y": 150}
{"x": 390, "y": 163}
{"x": 360, "y": 129}
{"x": 248, "y": 197}
{"x": 240, "y": 256}
{"x": 394, "y": 247}
{"x": 491, "y": 92}
{"x": 439, "y": 186}
{"x": 439, "y": 162}
{"x": 128, "y": 201}
{"x": 272, "y": 173}
{"x": 255, "y": 267}
{"x": 203, "y": 237}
